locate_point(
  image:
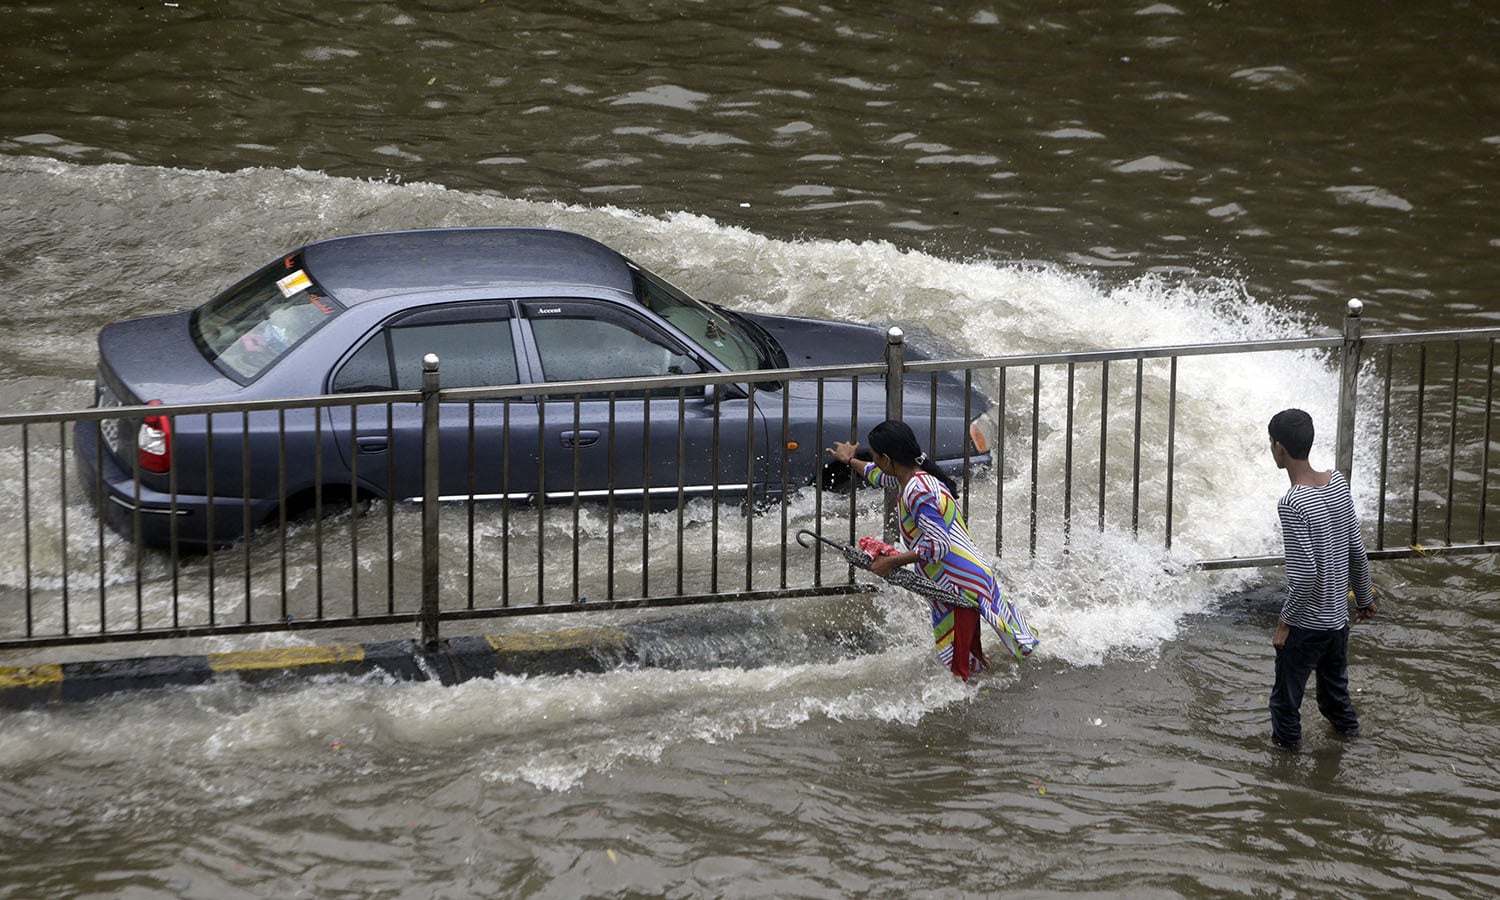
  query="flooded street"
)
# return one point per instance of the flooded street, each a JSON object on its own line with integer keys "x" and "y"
{"x": 1002, "y": 178}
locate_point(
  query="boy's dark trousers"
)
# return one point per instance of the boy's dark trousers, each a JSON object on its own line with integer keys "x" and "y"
{"x": 1307, "y": 652}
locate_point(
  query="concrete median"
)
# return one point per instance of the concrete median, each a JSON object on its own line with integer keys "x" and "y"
{"x": 677, "y": 642}
{"x": 451, "y": 661}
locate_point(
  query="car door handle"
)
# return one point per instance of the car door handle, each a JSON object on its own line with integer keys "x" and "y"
{"x": 372, "y": 443}
{"x": 571, "y": 439}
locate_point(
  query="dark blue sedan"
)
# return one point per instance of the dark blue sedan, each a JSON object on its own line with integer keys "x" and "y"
{"x": 499, "y": 307}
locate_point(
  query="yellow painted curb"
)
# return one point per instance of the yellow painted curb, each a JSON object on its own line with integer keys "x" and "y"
{"x": 607, "y": 638}
{"x": 285, "y": 658}
{"x": 29, "y": 676}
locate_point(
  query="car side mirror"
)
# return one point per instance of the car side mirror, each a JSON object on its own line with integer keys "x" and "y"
{"x": 718, "y": 393}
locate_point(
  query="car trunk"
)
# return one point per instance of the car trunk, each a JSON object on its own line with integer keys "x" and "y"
{"x": 150, "y": 359}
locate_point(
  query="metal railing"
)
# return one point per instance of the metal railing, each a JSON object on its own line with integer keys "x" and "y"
{"x": 1053, "y": 465}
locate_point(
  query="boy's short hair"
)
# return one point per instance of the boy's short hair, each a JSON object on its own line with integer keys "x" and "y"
{"x": 1293, "y": 429}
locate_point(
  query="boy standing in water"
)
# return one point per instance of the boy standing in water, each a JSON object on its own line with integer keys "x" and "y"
{"x": 1325, "y": 561}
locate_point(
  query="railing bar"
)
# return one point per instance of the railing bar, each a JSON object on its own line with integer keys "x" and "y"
{"x": 318, "y": 512}
{"x": 208, "y": 512}
{"x": 646, "y": 495}
{"x": 1416, "y": 480}
{"x": 1036, "y": 414}
{"x": 281, "y": 507}
{"x": 1433, "y": 337}
{"x": 674, "y": 381}
{"x": 245, "y": 522}
{"x": 1171, "y": 447}
{"x": 1164, "y": 351}
{"x": 786, "y": 440}
{"x": 62, "y": 494}
{"x": 173, "y": 538}
{"x": 681, "y": 483}
{"x": 609, "y": 591}
{"x": 1452, "y": 445}
{"x": 354, "y": 512}
{"x": 137, "y": 546}
{"x": 713, "y": 527}
{"x": 26, "y": 525}
{"x": 1135, "y": 478}
{"x": 470, "y": 505}
{"x": 1000, "y": 468}
{"x": 964, "y": 437}
{"x": 577, "y": 502}
{"x": 750, "y": 488}
{"x": 390, "y": 508}
{"x": 932, "y": 417}
{"x": 99, "y": 522}
{"x": 1103, "y": 439}
{"x": 505, "y": 506}
{"x": 541, "y": 500}
{"x": 1385, "y": 449}
{"x": 1240, "y": 562}
{"x": 1068, "y": 460}
{"x": 854, "y": 436}
{"x": 1484, "y": 464}
{"x": 818, "y": 480}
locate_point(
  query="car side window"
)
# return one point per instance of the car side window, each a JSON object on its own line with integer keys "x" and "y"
{"x": 474, "y": 347}
{"x": 470, "y": 354}
{"x": 577, "y": 342}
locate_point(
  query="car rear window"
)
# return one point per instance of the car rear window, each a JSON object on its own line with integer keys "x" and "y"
{"x": 249, "y": 327}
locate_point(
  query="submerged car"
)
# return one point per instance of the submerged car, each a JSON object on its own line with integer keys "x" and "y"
{"x": 499, "y": 307}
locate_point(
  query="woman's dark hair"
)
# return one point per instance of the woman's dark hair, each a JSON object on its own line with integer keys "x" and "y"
{"x": 895, "y": 439}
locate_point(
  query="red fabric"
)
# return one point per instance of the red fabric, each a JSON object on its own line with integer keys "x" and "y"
{"x": 966, "y": 645}
{"x": 966, "y": 642}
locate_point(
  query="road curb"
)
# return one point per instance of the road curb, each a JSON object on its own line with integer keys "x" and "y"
{"x": 451, "y": 661}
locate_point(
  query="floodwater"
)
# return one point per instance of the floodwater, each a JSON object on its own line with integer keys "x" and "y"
{"x": 1013, "y": 176}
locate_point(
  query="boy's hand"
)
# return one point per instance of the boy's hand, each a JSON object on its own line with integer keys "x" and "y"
{"x": 1364, "y": 612}
{"x": 1283, "y": 631}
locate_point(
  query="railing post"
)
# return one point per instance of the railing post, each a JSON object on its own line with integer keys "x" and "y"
{"x": 895, "y": 390}
{"x": 895, "y": 371}
{"x": 1348, "y": 387}
{"x": 430, "y": 488}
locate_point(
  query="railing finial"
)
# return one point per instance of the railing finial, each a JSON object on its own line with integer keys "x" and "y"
{"x": 1348, "y": 389}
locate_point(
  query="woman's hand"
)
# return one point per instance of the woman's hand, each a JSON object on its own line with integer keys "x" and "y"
{"x": 884, "y": 565}
{"x": 843, "y": 451}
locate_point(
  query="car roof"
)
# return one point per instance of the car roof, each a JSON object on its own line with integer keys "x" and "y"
{"x": 365, "y": 267}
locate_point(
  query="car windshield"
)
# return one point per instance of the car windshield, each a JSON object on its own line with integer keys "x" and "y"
{"x": 725, "y": 336}
{"x": 250, "y": 326}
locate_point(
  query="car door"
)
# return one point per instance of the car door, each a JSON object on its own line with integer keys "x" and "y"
{"x": 487, "y": 448}
{"x": 640, "y": 444}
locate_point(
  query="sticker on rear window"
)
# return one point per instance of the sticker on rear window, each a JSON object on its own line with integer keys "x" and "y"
{"x": 294, "y": 283}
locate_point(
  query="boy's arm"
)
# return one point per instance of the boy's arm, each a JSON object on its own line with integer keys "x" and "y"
{"x": 1359, "y": 576}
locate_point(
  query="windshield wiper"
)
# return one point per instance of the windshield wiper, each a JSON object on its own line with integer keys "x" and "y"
{"x": 771, "y": 354}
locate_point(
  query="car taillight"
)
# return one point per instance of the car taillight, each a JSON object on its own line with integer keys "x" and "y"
{"x": 154, "y": 442}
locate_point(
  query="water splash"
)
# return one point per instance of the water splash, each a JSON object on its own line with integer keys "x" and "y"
{"x": 182, "y": 235}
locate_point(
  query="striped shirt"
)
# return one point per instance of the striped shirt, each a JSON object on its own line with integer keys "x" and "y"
{"x": 1325, "y": 555}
